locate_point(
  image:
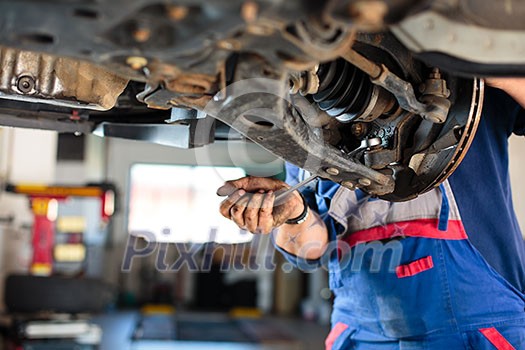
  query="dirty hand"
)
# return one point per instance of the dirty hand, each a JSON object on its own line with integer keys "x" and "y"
{"x": 251, "y": 203}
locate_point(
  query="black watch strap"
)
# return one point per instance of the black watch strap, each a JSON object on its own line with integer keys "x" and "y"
{"x": 301, "y": 218}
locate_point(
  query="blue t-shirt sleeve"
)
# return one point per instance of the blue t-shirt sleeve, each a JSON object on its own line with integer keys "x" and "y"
{"x": 507, "y": 111}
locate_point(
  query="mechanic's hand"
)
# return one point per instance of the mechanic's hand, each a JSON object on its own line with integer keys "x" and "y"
{"x": 251, "y": 203}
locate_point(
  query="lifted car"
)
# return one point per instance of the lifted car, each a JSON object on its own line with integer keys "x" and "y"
{"x": 383, "y": 95}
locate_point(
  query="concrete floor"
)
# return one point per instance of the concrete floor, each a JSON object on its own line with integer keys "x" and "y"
{"x": 118, "y": 329}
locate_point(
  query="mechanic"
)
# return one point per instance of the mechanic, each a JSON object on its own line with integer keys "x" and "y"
{"x": 460, "y": 281}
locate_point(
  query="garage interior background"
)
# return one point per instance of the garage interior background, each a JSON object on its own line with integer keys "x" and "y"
{"x": 30, "y": 156}
{"x": 282, "y": 299}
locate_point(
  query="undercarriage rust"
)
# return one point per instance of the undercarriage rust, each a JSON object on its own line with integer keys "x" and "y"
{"x": 39, "y": 77}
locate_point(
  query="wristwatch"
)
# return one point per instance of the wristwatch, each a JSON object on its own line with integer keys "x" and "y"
{"x": 301, "y": 218}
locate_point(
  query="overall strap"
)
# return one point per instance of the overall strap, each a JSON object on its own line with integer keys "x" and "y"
{"x": 444, "y": 211}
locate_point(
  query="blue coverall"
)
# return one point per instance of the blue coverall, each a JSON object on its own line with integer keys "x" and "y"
{"x": 408, "y": 276}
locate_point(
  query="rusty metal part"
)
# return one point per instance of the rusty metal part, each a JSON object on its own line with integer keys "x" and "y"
{"x": 401, "y": 89}
{"x": 305, "y": 83}
{"x": 319, "y": 40}
{"x": 34, "y": 77}
{"x": 157, "y": 97}
{"x": 393, "y": 132}
{"x": 263, "y": 110}
{"x": 381, "y": 103}
{"x": 142, "y": 35}
{"x": 435, "y": 92}
{"x": 359, "y": 129}
{"x": 137, "y": 62}
{"x": 423, "y": 162}
{"x": 229, "y": 45}
{"x": 467, "y": 135}
{"x": 186, "y": 53}
{"x": 364, "y": 64}
{"x": 192, "y": 37}
{"x": 198, "y": 102}
{"x": 193, "y": 84}
{"x": 435, "y": 85}
{"x": 425, "y": 168}
{"x": 177, "y": 13}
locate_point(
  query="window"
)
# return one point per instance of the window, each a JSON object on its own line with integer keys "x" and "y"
{"x": 178, "y": 204}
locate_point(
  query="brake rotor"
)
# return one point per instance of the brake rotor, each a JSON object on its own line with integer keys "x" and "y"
{"x": 428, "y": 168}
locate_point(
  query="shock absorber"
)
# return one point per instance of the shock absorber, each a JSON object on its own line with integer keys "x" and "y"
{"x": 346, "y": 93}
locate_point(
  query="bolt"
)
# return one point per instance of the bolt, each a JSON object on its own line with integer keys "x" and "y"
{"x": 436, "y": 74}
{"x": 177, "y": 13}
{"x": 364, "y": 181}
{"x": 348, "y": 184}
{"x": 142, "y": 35}
{"x": 136, "y": 62}
{"x": 359, "y": 129}
{"x": 332, "y": 171}
{"x": 25, "y": 84}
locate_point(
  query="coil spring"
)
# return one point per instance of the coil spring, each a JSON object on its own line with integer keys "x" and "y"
{"x": 343, "y": 89}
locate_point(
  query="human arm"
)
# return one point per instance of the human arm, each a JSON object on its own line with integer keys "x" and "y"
{"x": 515, "y": 87}
{"x": 250, "y": 203}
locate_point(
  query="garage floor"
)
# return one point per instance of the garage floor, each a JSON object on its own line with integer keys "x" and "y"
{"x": 129, "y": 331}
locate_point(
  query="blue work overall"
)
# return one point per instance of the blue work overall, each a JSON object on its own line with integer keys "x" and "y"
{"x": 441, "y": 293}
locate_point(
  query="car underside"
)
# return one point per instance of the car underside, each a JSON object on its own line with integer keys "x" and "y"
{"x": 381, "y": 95}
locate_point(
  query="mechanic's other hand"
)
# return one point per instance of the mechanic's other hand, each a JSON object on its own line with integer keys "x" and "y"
{"x": 251, "y": 203}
